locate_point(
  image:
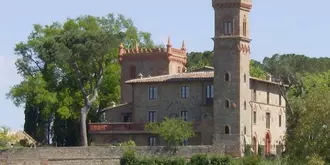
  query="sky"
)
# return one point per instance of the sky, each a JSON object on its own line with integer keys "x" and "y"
{"x": 279, "y": 26}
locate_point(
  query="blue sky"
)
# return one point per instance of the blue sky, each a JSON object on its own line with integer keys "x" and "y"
{"x": 281, "y": 26}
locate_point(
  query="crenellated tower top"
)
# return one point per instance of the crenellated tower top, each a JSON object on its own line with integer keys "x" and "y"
{"x": 170, "y": 53}
{"x": 242, "y": 4}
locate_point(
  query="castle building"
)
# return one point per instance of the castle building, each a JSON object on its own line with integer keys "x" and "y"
{"x": 227, "y": 106}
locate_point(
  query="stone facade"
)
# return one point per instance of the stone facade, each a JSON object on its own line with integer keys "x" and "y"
{"x": 91, "y": 155}
{"x": 227, "y": 106}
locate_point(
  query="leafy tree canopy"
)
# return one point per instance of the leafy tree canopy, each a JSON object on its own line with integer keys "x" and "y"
{"x": 173, "y": 130}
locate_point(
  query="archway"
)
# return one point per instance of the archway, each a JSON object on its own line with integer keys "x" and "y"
{"x": 254, "y": 145}
{"x": 267, "y": 143}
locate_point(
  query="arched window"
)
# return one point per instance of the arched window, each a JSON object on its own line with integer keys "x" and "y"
{"x": 227, "y": 77}
{"x": 227, "y": 130}
{"x": 227, "y": 103}
{"x": 244, "y": 26}
{"x": 132, "y": 72}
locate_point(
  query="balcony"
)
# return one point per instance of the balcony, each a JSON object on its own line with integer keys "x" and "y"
{"x": 121, "y": 127}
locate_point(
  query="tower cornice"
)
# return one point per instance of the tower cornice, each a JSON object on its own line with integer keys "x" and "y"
{"x": 232, "y": 37}
{"x": 241, "y": 5}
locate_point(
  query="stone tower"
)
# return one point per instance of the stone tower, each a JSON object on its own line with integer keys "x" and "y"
{"x": 232, "y": 111}
{"x": 140, "y": 62}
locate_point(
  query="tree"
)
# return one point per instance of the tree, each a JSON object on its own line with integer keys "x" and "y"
{"x": 70, "y": 73}
{"x": 309, "y": 131}
{"x": 174, "y": 131}
{"x": 5, "y": 137}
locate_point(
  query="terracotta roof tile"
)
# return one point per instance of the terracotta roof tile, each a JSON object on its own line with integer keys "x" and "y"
{"x": 174, "y": 77}
{"x": 188, "y": 76}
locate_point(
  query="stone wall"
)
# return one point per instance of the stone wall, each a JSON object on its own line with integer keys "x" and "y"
{"x": 91, "y": 155}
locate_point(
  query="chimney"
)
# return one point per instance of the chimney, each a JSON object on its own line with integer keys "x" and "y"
{"x": 140, "y": 75}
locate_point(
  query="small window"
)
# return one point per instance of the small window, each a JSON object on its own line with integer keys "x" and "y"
{"x": 185, "y": 142}
{"x": 254, "y": 117}
{"x": 209, "y": 91}
{"x": 244, "y": 105}
{"x": 268, "y": 120}
{"x": 152, "y": 93}
{"x": 244, "y": 27}
{"x": 254, "y": 95}
{"x": 227, "y": 77}
{"x": 244, "y": 130}
{"x": 152, "y": 116}
{"x": 184, "y": 115}
{"x": 133, "y": 72}
{"x": 228, "y": 27}
{"x": 227, "y": 103}
{"x": 280, "y": 120}
{"x": 184, "y": 92}
{"x": 279, "y": 99}
{"x": 227, "y": 130}
{"x": 267, "y": 97}
{"x": 152, "y": 141}
{"x": 244, "y": 77}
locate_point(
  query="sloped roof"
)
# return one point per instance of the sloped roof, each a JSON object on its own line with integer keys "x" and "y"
{"x": 188, "y": 76}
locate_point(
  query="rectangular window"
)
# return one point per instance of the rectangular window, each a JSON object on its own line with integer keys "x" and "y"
{"x": 209, "y": 91}
{"x": 152, "y": 116}
{"x": 254, "y": 95}
{"x": 254, "y": 117}
{"x": 184, "y": 115}
{"x": 279, "y": 99}
{"x": 268, "y": 120}
{"x": 185, "y": 142}
{"x": 152, "y": 141}
{"x": 184, "y": 92}
{"x": 228, "y": 28}
{"x": 133, "y": 72}
{"x": 267, "y": 97}
{"x": 244, "y": 28}
{"x": 280, "y": 120}
{"x": 152, "y": 93}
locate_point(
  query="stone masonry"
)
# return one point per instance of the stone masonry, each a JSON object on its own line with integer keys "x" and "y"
{"x": 227, "y": 106}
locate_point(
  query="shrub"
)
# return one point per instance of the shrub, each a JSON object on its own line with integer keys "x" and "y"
{"x": 199, "y": 159}
{"x": 251, "y": 160}
{"x": 129, "y": 158}
{"x": 220, "y": 160}
{"x": 316, "y": 160}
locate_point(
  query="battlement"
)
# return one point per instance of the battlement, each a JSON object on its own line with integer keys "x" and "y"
{"x": 153, "y": 53}
{"x": 243, "y": 4}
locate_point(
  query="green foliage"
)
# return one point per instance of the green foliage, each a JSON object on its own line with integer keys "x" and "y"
{"x": 130, "y": 158}
{"x": 247, "y": 150}
{"x": 172, "y": 130}
{"x": 251, "y": 160}
{"x": 315, "y": 160}
{"x": 67, "y": 66}
{"x": 307, "y": 129}
{"x": 5, "y": 138}
{"x": 257, "y": 70}
{"x": 220, "y": 160}
{"x": 199, "y": 159}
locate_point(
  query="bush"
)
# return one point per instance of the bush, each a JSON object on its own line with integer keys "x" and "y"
{"x": 199, "y": 159}
{"x": 129, "y": 158}
{"x": 220, "y": 160}
{"x": 316, "y": 160}
{"x": 251, "y": 160}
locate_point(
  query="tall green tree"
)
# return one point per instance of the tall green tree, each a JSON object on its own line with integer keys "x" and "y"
{"x": 71, "y": 72}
